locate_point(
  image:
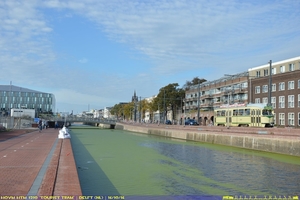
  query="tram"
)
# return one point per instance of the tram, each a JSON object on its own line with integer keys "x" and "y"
{"x": 253, "y": 115}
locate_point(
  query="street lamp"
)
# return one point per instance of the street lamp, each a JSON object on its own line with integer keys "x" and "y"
{"x": 270, "y": 84}
{"x": 164, "y": 106}
{"x": 198, "y": 103}
{"x": 184, "y": 113}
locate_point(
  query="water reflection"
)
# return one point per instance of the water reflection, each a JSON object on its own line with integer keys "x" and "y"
{"x": 260, "y": 174}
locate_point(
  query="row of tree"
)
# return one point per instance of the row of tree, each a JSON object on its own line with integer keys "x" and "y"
{"x": 169, "y": 98}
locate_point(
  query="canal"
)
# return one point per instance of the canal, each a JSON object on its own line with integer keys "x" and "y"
{"x": 117, "y": 162}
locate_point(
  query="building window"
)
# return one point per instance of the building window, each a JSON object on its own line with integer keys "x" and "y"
{"x": 299, "y": 83}
{"x": 299, "y": 100}
{"x": 291, "y": 101}
{"x": 266, "y": 72}
{"x": 281, "y": 118}
{"x": 264, "y": 88}
{"x": 282, "y": 69}
{"x": 257, "y": 89}
{"x": 281, "y": 86}
{"x": 273, "y": 70}
{"x": 281, "y": 102}
{"x": 274, "y": 87}
{"x": 291, "y": 85}
{"x": 291, "y": 119}
{"x": 257, "y": 100}
{"x": 299, "y": 119}
{"x": 292, "y": 67}
{"x": 273, "y": 102}
{"x": 265, "y": 100}
{"x": 257, "y": 73}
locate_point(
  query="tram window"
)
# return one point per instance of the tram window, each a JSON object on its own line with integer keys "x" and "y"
{"x": 235, "y": 112}
{"x": 241, "y": 112}
{"x": 267, "y": 112}
{"x": 223, "y": 113}
{"x": 247, "y": 111}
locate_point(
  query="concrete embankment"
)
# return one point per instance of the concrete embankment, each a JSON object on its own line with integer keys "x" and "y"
{"x": 282, "y": 144}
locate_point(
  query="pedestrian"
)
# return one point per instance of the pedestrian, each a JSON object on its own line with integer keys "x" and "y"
{"x": 56, "y": 125}
{"x": 46, "y": 124}
{"x": 40, "y": 125}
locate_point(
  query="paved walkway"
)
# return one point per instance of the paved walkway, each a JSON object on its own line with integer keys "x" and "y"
{"x": 27, "y": 162}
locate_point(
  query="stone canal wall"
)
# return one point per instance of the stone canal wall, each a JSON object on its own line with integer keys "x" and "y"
{"x": 289, "y": 145}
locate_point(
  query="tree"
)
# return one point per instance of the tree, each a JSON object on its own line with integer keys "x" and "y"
{"x": 128, "y": 110}
{"x": 195, "y": 81}
{"x": 117, "y": 110}
{"x": 169, "y": 98}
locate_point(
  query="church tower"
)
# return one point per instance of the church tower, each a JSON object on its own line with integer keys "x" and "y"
{"x": 135, "y": 101}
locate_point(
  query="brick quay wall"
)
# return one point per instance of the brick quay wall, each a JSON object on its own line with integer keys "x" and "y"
{"x": 282, "y": 141}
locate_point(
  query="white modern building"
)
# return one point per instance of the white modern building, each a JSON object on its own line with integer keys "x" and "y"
{"x": 15, "y": 97}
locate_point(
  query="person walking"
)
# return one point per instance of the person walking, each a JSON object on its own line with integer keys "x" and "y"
{"x": 40, "y": 125}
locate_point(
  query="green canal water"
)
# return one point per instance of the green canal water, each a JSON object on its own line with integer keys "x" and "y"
{"x": 116, "y": 162}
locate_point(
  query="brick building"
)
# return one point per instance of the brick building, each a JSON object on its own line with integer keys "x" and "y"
{"x": 285, "y": 89}
{"x": 251, "y": 87}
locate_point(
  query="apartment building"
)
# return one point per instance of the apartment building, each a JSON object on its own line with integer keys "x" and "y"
{"x": 251, "y": 87}
{"x": 285, "y": 89}
{"x": 229, "y": 89}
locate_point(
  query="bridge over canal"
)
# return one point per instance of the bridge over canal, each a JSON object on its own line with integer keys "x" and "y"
{"x": 85, "y": 120}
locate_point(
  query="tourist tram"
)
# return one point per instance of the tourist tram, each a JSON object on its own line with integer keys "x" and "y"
{"x": 253, "y": 115}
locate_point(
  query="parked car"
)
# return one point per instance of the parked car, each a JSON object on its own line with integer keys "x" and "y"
{"x": 191, "y": 122}
{"x": 169, "y": 122}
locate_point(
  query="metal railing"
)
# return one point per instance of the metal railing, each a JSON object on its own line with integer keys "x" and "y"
{"x": 83, "y": 119}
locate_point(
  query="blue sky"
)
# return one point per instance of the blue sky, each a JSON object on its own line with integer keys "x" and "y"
{"x": 96, "y": 53}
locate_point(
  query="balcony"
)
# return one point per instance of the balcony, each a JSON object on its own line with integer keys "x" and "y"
{"x": 240, "y": 91}
{"x": 207, "y": 104}
{"x": 207, "y": 96}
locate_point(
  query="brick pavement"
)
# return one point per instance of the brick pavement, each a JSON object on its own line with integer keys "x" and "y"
{"x": 22, "y": 157}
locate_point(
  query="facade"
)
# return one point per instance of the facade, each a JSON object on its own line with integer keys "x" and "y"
{"x": 106, "y": 113}
{"x": 148, "y": 116}
{"x": 16, "y": 112}
{"x": 230, "y": 89}
{"x": 251, "y": 87}
{"x": 14, "y": 97}
{"x": 285, "y": 89}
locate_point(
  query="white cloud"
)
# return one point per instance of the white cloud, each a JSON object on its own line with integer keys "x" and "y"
{"x": 191, "y": 38}
{"x": 83, "y": 60}
{"x": 179, "y": 34}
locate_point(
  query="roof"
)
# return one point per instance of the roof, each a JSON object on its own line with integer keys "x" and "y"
{"x": 14, "y": 88}
{"x": 275, "y": 63}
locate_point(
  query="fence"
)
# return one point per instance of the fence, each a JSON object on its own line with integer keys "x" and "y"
{"x": 15, "y": 123}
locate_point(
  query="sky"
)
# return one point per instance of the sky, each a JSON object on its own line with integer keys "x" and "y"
{"x": 93, "y": 54}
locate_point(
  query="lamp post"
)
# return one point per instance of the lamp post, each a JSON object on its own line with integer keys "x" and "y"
{"x": 184, "y": 114}
{"x": 198, "y": 104}
{"x": 270, "y": 84}
{"x": 164, "y": 106}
